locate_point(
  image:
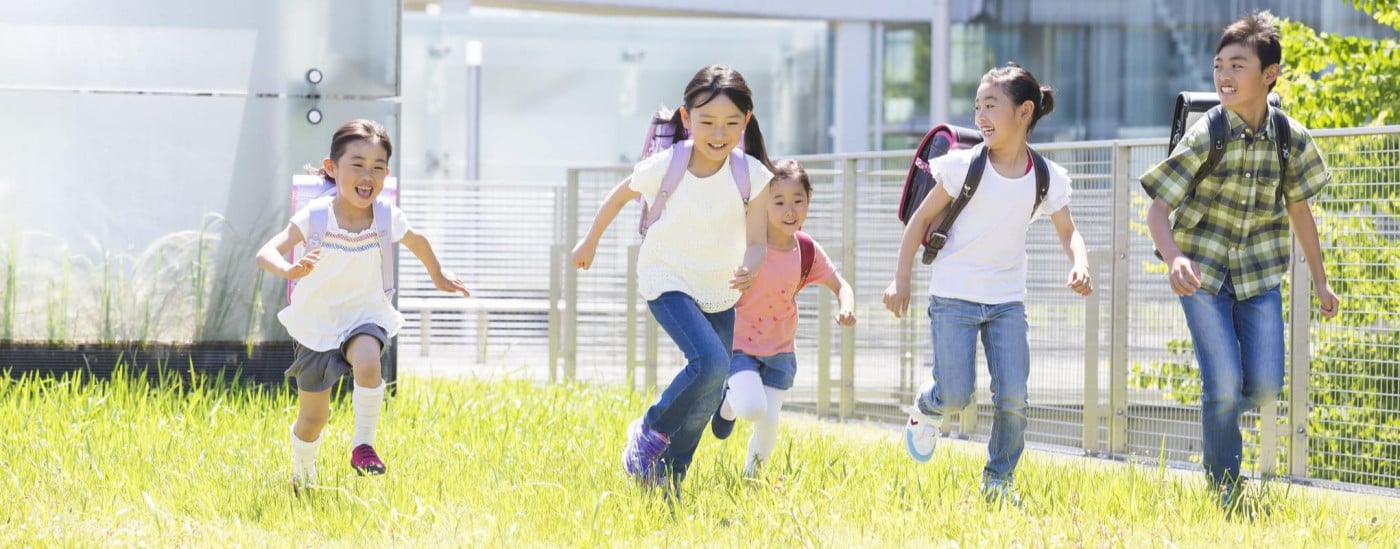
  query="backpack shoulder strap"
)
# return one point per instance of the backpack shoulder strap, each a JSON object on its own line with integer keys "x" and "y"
{"x": 807, "y": 254}
{"x": 675, "y": 172}
{"x": 1219, "y": 126}
{"x": 384, "y": 226}
{"x": 1042, "y": 179}
{"x": 939, "y": 234}
{"x": 317, "y": 211}
{"x": 1283, "y": 134}
{"x": 739, "y": 165}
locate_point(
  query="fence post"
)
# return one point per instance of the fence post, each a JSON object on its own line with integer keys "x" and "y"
{"x": 632, "y": 315}
{"x": 1092, "y": 413}
{"x": 571, "y": 206}
{"x": 1299, "y": 362}
{"x": 1123, "y": 189}
{"x": 556, "y": 271}
{"x": 823, "y": 401}
{"x": 850, "y": 196}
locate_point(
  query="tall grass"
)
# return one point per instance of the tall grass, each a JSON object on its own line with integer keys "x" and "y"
{"x": 509, "y": 463}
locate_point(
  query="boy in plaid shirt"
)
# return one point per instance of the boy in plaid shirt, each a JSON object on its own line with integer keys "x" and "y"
{"x": 1226, "y": 241}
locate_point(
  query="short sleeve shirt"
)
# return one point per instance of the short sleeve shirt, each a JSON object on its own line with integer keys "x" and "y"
{"x": 1235, "y": 222}
{"x": 765, "y": 319}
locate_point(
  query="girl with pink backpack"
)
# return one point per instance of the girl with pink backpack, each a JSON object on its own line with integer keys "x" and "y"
{"x": 701, "y": 251}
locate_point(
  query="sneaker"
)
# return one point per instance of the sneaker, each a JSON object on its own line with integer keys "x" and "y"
{"x": 365, "y": 462}
{"x": 643, "y": 452}
{"x": 920, "y": 435}
{"x": 1000, "y": 492}
{"x": 719, "y": 426}
{"x": 1231, "y": 498}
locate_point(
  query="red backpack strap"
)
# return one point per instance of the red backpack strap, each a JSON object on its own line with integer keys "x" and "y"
{"x": 739, "y": 165}
{"x": 807, "y": 254}
{"x": 675, "y": 172}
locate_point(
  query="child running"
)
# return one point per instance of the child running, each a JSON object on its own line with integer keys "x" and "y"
{"x": 765, "y": 320}
{"x": 340, "y": 316}
{"x": 704, "y": 249}
{"x": 978, "y": 282}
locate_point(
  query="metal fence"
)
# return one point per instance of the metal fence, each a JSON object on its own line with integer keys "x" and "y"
{"x": 1112, "y": 374}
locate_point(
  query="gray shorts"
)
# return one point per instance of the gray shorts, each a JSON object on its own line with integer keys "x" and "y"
{"x": 318, "y": 371}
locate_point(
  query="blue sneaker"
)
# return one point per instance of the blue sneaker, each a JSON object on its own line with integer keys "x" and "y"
{"x": 719, "y": 426}
{"x": 643, "y": 452}
{"x": 1001, "y": 492}
{"x": 920, "y": 435}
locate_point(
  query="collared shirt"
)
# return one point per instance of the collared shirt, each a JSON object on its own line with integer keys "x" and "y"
{"x": 1234, "y": 223}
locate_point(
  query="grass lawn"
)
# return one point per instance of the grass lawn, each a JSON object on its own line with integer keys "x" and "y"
{"x": 510, "y": 463}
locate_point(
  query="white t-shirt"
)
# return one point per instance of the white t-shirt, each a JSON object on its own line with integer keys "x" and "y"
{"x": 700, "y": 238}
{"x": 346, "y": 288}
{"x": 984, "y": 260}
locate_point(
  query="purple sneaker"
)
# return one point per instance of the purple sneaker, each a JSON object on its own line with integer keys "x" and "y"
{"x": 365, "y": 461}
{"x": 643, "y": 451}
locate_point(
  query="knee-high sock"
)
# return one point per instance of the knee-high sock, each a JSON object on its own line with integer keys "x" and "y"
{"x": 304, "y": 458}
{"x": 765, "y": 432}
{"x": 367, "y": 403}
{"x": 746, "y": 396}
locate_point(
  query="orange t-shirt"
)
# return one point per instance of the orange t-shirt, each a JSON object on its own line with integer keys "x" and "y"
{"x": 765, "y": 319}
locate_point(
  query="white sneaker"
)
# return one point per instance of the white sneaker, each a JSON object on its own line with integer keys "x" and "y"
{"x": 920, "y": 435}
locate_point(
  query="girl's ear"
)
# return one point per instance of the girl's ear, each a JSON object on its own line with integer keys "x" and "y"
{"x": 1271, "y": 73}
{"x": 1026, "y": 109}
{"x": 685, "y": 117}
{"x": 329, "y": 166}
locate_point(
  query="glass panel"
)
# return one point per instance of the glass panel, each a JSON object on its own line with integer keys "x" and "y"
{"x": 252, "y": 46}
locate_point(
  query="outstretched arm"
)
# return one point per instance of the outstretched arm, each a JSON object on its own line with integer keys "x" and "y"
{"x": 1305, "y": 229}
{"x": 933, "y": 206}
{"x": 1073, "y": 243}
{"x": 442, "y": 278}
{"x": 616, "y": 199}
{"x": 272, "y": 256}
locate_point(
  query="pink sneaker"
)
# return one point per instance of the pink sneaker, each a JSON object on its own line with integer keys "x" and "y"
{"x": 365, "y": 461}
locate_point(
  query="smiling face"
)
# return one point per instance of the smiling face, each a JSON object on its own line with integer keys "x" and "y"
{"x": 787, "y": 207}
{"x": 1240, "y": 80}
{"x": 359, "y": 172}
{"x": 716, "y": 126}
{"x": 1001, "y": 121}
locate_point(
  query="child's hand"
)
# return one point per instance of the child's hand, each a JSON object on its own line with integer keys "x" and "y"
{"x": 1327, "y": 300}
{"x": 897, "y": 298}
{"x": 743, "y": 279}
{"x": 846, "y": 318}
{"x": 304, "y": 265}
{"x": 583, "y": 254}
{"x": 1079, "y": 280}
{"x": 1184, "y": 276}
{"x": 448, "y": 282}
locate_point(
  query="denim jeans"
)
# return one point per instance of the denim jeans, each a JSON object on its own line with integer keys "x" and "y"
{"x": 1239, "y": 346}
{"x": 684, "y": 408}
{"x": 955, "y": 324}
{"x": 777, "y": 371}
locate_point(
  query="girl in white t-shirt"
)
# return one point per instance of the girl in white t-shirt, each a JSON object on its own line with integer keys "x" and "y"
{"x": 704, "y": 250}
{"x": 764, "y": 363}
{"x": 978, "y": 282}
{"x": 340, "y": 317}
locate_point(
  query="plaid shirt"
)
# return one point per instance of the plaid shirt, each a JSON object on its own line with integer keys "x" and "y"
{"x": 1233, "y": 224}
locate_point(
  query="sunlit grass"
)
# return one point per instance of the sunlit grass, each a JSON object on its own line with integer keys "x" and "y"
{"x": 512, "y": 463}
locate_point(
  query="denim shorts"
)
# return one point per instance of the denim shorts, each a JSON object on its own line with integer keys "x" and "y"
{"x": 318, "y": 371}
{"x": 776, "y": 371}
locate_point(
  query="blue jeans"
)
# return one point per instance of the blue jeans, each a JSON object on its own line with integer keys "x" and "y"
{"x": 955, "y": 324}
{"x": 684, "y": 408}
{"x": 1239, "y": 346}
{"x": 777, "y": 371}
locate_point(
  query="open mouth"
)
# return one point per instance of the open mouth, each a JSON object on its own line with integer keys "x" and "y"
{"x": 364, "y": 191}
{"x": 1227, "y": 90}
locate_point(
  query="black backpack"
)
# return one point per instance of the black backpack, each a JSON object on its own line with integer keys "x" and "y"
{"x": 1192, "y": 103}
{"x": 919, "y": 182}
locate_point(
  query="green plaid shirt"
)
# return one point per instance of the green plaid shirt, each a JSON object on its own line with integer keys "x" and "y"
{"x": 1233, "y": 222}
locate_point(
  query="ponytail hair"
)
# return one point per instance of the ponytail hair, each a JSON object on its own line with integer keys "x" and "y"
{"x": 710, "y": 82}
{"x": 1022, "y": 86}
{"x": 350, "y": 132}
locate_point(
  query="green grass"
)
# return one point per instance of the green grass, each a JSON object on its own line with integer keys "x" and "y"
{"x": 509, "y": 463}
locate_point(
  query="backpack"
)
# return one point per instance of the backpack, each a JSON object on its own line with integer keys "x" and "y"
{"x": 806, "y": 254}
{"x": 1191, "y": 103}
{"x": 315, "y": 193}
{"x": 920, "y": 181}
{"x": 661, "y": 136}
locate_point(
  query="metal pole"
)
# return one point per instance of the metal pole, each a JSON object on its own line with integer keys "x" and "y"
{"x": 1300, "y": 364}
{"x": 1118, "y": 369}
{"x": 849, "y": 197}
{"x": 571, "y": 278}
{"x": 556, "y": 272}
{"x": 473, "y": 141}
{"x": 823, "y": 401}
{"x": 1092, "y": 415}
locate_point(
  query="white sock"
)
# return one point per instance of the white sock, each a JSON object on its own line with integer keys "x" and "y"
{"x": 367, "y": 403}
{"x": 765, "y": 432}
{"x": 304, "y": 458}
